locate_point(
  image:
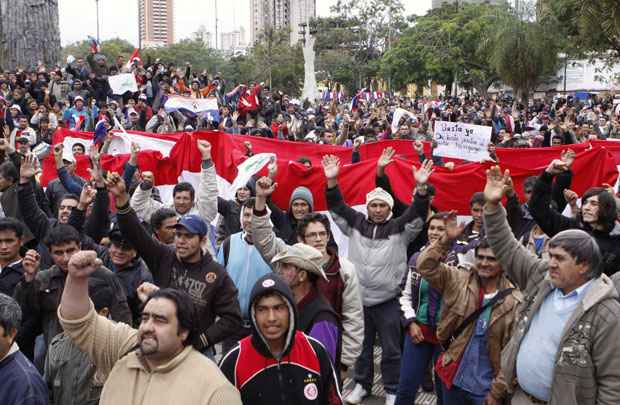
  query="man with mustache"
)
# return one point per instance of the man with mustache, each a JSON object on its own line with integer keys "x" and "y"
{"x": 158, "y": 358}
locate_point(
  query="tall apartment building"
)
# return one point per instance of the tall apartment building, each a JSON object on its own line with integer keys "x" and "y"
{"x": 301, "y": 12}
{"x": 156, "y": 22}
{"x": 266, "y": 14}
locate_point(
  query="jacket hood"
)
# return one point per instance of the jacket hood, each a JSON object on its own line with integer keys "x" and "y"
{"x": 267, "y": 284}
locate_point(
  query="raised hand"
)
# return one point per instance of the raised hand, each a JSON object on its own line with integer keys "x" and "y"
{"x": 331, "y": 166}
{"x": 422, "y": 174}
{"x": 386, "y": 157}
{"x": 86, "y": 196}
{"x": 204, "y": 147}
{"x": 571, "y": 198}
{"x": 509, "y": 187}
{"x": 31, "y": 264}
{"x": 27, "y": 169}
{"x": 453, "y": 228}
{"x": 58, "y": 154}
{"x": 557, "y": 166}
{"x": 496, "y": 184}
{"x": 264, "y": 187}
{"x": 83, "y": 263}
{"x": 133, "y": 158}
{"x": 272, "y": 167}
{"x": 449, "y": 165}
{"x": 116, "y": 185}
{"x": 568, "y": 157}
{"x": 145, "y": 290}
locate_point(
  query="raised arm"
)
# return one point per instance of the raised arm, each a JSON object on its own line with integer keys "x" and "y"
{"x": 263, "y": 236}
{"x": 147, "y": 247}
{"x": 33, "y": 215}
{"x": 344, "y": 216}
{"x": 207, "y": 188}
{"x": 102, "y": 339}
{"x": 383, "y": 181}
{"x": 549, "y": 220}
{"x": 519, "y": 264}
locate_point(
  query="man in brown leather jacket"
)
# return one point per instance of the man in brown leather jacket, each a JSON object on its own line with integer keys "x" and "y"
{"x": 470, "y": 366}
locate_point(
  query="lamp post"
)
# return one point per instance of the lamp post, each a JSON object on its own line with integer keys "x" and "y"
{"x": 97, "y": 7}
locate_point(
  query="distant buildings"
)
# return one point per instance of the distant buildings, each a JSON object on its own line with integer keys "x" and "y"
{"x": 279, "y": 14}
{"x": 233, "y": 41}
{"x": 156, "y": 22}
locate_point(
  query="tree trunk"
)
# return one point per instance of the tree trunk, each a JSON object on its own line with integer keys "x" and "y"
{"x": 29, "y": 33}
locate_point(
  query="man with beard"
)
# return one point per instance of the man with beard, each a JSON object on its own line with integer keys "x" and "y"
{"x": 158, "y": 358}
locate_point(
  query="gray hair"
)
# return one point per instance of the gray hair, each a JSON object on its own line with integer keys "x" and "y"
{"x": 582, "y": 247}
{"x": 10, "y": 314}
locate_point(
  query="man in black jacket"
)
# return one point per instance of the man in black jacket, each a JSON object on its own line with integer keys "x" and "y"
{"x": 597, "y": 215}
{"x": 185, "y": 266}
{"x": 278, "y": 364}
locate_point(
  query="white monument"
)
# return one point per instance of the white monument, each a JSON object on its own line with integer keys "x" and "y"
{"x": 310, "y": 91}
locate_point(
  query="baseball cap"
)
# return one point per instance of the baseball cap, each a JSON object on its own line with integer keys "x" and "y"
{"x": 78, "y": 98}
{"x": 17, "y": 107}
{"x": 193, "y": 224}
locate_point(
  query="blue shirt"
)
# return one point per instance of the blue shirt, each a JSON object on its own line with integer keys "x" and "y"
{"x": 245, "y": 266}
{"x": 538, "y": 350}
{"x": 475, "y": 373}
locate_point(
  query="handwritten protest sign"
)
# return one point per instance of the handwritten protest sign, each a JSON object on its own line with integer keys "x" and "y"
{"x": 462, "y": 141}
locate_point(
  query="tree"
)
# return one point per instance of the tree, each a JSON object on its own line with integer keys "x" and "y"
{"x": 449, "y": 42}
{"x": 589, "y": 27}
{"x": 525, "y": 54}
{"x": 29, "y": 33}
{"x": 110, "y": 48}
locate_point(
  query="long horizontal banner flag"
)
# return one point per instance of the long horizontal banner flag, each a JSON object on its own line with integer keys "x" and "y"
{"x": 174, "y": 157}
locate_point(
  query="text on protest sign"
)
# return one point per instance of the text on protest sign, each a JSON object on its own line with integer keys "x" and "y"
{"x": 462, "y": 141}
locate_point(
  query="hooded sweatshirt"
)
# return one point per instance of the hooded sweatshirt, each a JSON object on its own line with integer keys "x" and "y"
{"x": 301, "y": 375}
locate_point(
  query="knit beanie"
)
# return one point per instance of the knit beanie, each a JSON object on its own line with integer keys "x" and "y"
{"x": 381, "y": 195}
{"x": 302, "y": 193}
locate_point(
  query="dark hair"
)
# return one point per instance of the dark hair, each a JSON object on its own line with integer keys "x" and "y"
{"x": 9, "y": 171}
{"x": 477, "y": 198}
{"x": 81, "y": 145}
{"x": 70, "y": 196}
{"x": 607, "y": 210}
{"x": 10, "y": 314}
{"x": 184, "y": 186}
{"x": 160, "y": 216}
{"x": 304, "y": 160}
{"x": 249, "y": 203}
{"x": 443, "y": 216}
{"x": 62, "y": 234}
{"x": 186, "y": 313}
{"x": 303, "y": 223}
{"x": 530, "y": 182}
{"x": 582, "y": 247}
{"x": 482, "y": 244}
{"x": 11, "y": 224}
{"x": 101, "y": 296}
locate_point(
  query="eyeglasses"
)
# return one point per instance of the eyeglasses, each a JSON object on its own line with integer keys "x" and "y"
{"x": 315, "y": 235}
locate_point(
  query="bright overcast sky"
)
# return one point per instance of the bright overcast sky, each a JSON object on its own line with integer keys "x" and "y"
{"x": 119, "y": 18}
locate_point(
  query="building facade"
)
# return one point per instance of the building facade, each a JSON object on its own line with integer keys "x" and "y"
{"x": 265, "y": 14}
{"x": 233, "y": 40}
{"x": 302, "y": 11}
{"x": 156, "y": 22}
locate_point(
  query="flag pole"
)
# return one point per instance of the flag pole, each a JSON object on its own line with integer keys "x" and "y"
{"x": 97, "y": 7}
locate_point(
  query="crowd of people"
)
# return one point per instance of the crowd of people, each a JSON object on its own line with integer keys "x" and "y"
{"x": 110, "y": 295}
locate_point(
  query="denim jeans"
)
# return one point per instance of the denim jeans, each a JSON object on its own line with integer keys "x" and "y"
{"x": 383, "y": 319}
{"x": 413, "y": 365}
{"x": 457, "y": 396}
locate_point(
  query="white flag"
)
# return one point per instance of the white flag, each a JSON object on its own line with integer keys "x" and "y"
{"x": 120, "y": 84}
{"x": 249, "y": 168}
{"x": 398, "y": 114}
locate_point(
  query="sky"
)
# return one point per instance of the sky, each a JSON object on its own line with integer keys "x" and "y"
{"x": 119, "y": 18}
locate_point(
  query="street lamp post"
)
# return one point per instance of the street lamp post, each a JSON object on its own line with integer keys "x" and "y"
{"x": 97, "y": 7}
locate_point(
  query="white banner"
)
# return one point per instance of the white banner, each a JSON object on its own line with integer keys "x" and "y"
{"x": 120, "y": 84}
{"x": 462, "y": 141}
{"x": 250, "y": 167}
{"x": 398, "y": 114}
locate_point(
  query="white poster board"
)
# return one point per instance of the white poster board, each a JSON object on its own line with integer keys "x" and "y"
{"x": 462, "y": 141}
{"x": 120, "y": 84}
